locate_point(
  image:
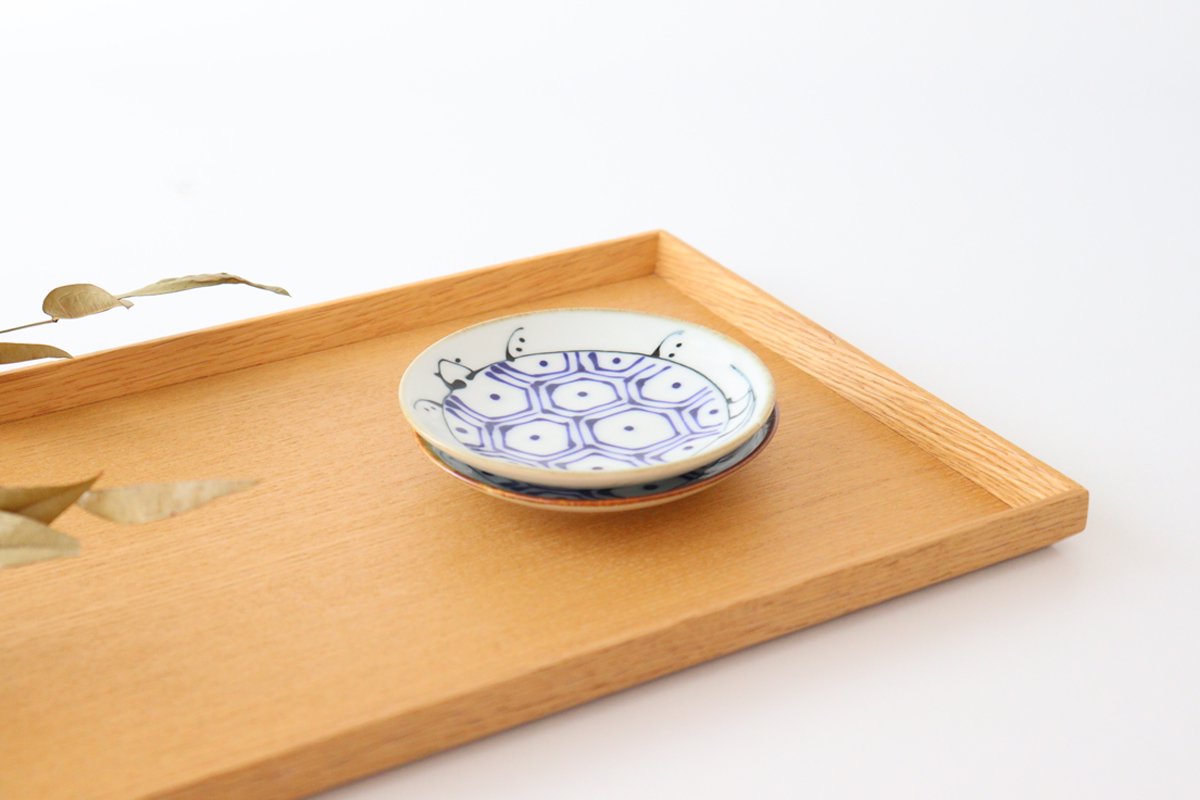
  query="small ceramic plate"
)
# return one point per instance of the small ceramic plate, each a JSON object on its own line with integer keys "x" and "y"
{"x": 586, "y": 398}
{"x": 620, "y": 499}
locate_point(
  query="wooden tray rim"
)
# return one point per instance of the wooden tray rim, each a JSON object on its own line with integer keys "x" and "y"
{"x": 1000, "y": 467}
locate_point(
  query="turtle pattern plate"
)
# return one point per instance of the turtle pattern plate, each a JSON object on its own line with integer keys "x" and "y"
{"x": 587, "y": 410}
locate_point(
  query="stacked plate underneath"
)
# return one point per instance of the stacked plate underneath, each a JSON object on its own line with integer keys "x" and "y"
{"x": 589, "y": 409}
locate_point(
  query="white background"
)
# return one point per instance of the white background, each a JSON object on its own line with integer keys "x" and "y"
{"x": 1000, "y": 200}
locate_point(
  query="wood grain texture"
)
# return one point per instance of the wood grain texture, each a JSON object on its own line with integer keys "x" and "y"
{"x": 358, "y": 609}
{"x": 613, "y": 667}
{"x": 92, "y": 378}
{"x": 999, "y": 466}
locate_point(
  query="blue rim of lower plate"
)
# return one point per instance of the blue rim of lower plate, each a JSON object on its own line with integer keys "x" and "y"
{"x": 687, "y": 480}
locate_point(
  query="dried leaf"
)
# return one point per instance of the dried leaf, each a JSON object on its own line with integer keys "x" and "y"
{"x": 14, "y": 353}
{"x": 24, "y": 541}
{"x": 169, "y": 285}
{"x": 42, "y": 503}
{"x": 80, "y": 300}
{"x": 155, "y": 501}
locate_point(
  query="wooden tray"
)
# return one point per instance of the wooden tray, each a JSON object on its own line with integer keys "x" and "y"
{"x": 358, "y": 609}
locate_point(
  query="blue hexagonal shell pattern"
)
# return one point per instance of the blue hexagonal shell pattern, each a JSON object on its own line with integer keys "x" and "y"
{"x": 587, "y": 410}
{"x": 662, "y": 486}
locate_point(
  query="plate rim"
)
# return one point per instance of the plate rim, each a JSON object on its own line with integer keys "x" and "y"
{"x": 565, "y": 503}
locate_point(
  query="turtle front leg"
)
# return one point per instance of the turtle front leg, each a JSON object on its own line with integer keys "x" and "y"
{"x": 669, "y": 345}
{"x": 514, "y": 345}
{"x": 453, "y": 374}
{"x": 428, "y": 406}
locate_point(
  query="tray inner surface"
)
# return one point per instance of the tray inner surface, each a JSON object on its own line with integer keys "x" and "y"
{"x": 357, "y": 584}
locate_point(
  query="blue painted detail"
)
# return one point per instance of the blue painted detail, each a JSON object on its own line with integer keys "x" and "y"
{"x": 588, "y": 410}
{"x": 641, "y": 490}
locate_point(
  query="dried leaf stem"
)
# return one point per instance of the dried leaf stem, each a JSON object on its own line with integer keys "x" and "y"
{"x": 30, "y": 325}
{"x": 77, "y": 300}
